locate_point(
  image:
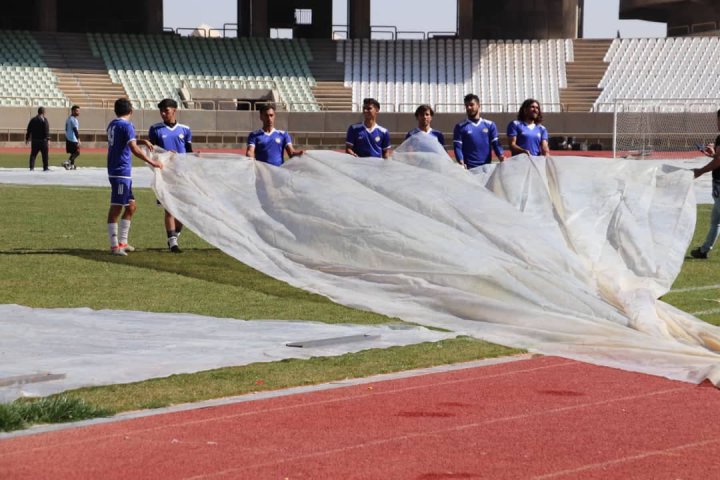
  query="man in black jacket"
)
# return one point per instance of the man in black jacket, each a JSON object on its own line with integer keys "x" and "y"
{"x": 38, "y": 130}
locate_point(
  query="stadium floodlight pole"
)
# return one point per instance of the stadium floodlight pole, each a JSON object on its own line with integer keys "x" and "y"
{"x": 615, "y": 107}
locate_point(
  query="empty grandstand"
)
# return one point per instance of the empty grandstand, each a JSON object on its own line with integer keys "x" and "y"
{"x": 54, "y": 63}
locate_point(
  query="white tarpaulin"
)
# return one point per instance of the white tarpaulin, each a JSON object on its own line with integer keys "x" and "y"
{"x": 563, "y": 256}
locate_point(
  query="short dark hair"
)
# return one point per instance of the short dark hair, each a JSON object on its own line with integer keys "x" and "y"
{"x": 167, "y": 103}
{"x": 371, "y": 101}
{"x": 122, "y": 107}
{"x": 471, "y": 97}
{"x": 41, "y": 110}
{"x": 75, "y": 107}
{"x": 424, "y": 108}
{"x": 525, "y": 105}
{"x": 264, "y": 107}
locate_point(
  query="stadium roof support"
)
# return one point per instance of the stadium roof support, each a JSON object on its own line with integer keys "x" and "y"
{"x": 683, "y": 17}
{"x": 519, "y": 19}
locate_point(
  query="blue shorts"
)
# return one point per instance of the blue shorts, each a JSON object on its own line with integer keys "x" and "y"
{"x": 121, "y": 191}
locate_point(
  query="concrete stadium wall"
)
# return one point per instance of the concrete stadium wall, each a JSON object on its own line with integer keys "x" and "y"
{"x": 315, "y": 129}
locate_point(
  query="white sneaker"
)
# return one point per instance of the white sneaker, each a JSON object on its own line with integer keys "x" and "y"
{"x": 118, "y": 251}
{"x": 127, "y": 247}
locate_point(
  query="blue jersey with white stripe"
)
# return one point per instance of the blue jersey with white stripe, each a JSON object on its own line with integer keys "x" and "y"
{"x": 529, "y": 137}
{"x": 171, "y": 137}
{"x": 473, "y": 141}
{"x": 368, "y": 143}
{"x": 269, "y": 147}
{"x": 120, "y": 133}
{"x": 440, "y": 137}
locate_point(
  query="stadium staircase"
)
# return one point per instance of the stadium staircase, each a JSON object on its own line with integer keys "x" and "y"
{"x": 82, "y": 77}
{"x": 330, "y": 91}
{"x": 584, "y": 74}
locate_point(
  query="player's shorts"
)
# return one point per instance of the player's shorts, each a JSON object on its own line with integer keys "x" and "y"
{"x": 71, "y": 147}
{"x": 121, "y": 191}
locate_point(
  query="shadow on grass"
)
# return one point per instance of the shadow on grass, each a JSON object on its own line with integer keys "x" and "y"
{"x": 207, "y": 264}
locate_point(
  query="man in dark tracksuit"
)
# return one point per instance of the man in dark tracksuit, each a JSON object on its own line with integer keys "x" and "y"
{"x": 38, "y": 130}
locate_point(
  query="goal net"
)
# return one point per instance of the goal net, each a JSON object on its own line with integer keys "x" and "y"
{"x": 663, "y": 128}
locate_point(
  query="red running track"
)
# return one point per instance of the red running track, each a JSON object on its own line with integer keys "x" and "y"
{"x": 544, "y": 418}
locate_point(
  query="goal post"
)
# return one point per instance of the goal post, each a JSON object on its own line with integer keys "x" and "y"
{"x": 663, "y": 128}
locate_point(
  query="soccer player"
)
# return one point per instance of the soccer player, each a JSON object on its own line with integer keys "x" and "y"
{"x": 424, "y": 115}
{"x": 475, "y": 138}
{"x": 121, "y": 143}
{"x": 176, "y": 137}
{"x": 72, "y": 138}
{"x": 368, "y": 139}
{"x": 714, "y": 167}
{"x": 527, "y": 134}
{"x": 267, "y": 144}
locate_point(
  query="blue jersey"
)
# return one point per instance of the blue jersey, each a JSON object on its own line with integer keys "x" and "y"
{"x": 440, "y": 137}
{"x": 269, "y": 147}
{"x": 177, "y": 138}
{"x": 472, "y": 142}
{"x": 71, "y": 126}
{"x": 529, "y": 137}
{"x": 120, "y": 133}
{"x": 368, "y": 143}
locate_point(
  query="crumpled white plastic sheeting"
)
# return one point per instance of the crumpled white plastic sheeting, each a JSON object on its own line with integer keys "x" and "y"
{"x": 564, "y": 256}
{"x": 101, "y": 347}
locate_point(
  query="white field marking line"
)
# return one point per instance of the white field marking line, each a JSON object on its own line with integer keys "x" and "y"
{"x": 639, "y": 456}
{"x": 695, "y": 289}
{"x": 457, "y": 428}
{"x": 126, "y": 433}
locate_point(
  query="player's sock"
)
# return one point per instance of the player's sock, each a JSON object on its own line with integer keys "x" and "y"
{"x": 178, "y": 230}
{"x": 112, "y": 229}
{"x": 124, "y": 231}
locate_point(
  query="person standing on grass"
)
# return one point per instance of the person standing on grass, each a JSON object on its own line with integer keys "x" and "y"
{"x": 713, "y": 166}
{"x": 267, "y": 144}
{"x": 424, "y": 115}
{"x": 122, "y": 144}
{"x": 475, "y": 138}
{"x": 72, "y": 138}
{"x": 527, "y": 134}
{"x": 368, "y": 139}
{"x": 38, "y": 135}
{"x": 176, "y": 137}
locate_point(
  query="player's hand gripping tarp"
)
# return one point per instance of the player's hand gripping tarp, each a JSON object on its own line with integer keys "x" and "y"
{"x": 559, "y": 256}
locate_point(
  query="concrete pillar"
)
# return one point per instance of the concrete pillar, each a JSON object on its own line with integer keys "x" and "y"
{"x": 47, "y": 13}
{"x": 243, "y": 18}
{"x": 153, "y": 16}
{"x": 259, "y": 19}
{"x": 358, "y": 18}
{"x": 465, "y": 16}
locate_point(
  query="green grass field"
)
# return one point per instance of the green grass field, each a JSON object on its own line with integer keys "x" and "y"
{"x": 53, "y": 253}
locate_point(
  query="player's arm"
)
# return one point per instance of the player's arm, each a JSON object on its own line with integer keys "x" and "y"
{"x": 457, "y": 145}
{"x": 137, "y": 151}
{"x": 709, "y": 167}
{"x": 544, "y": 147}
{"x": 350, "y": 143}
{"x": 188, "y": 141}
{"x": 292, "y": 152}
{"x": 495, "y": 143}
{"x": 77, "y": 134}
{"x": 250, "y": 151}
{"x": 386, "y": 146}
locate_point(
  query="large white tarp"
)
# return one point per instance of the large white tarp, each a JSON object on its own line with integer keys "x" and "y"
{"x": 563, "y": 256}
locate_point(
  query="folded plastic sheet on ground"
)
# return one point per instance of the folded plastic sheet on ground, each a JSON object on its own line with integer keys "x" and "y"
{"x": 564, "y": 256}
